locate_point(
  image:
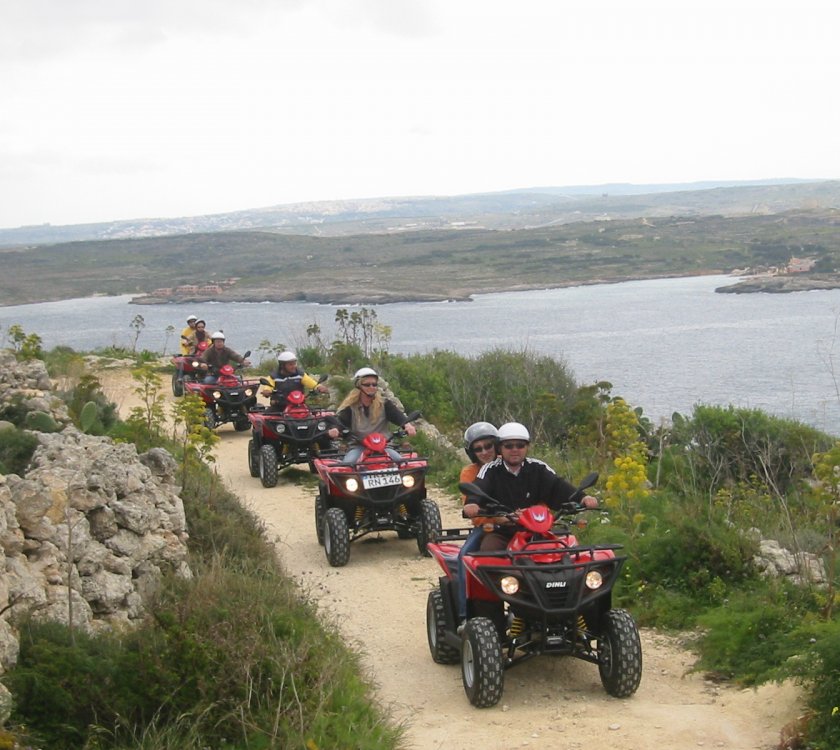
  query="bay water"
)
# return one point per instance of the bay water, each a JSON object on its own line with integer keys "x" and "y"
{"x": 664, "y": 344}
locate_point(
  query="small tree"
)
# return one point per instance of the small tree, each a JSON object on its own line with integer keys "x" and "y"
{"x": 196, "y": 439}
{"x": 149, "y": 418}
{"x": 138, "y": 324}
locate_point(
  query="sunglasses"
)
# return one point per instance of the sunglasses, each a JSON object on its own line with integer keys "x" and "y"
{"x": 484, "y": 447}
{"x": 517, "y": 445}
{"x": 368, "y": 385}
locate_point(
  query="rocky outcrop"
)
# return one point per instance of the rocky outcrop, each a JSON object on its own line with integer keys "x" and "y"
{"x": 88, "y": 530}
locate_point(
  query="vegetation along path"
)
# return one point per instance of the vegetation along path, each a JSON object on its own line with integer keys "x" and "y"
{"x": 378, "y": 602}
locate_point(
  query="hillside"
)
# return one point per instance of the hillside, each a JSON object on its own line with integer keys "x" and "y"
{"x": 669, "y": 234}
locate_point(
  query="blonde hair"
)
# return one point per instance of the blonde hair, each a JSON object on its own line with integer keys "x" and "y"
{"x": 352, "y": 399}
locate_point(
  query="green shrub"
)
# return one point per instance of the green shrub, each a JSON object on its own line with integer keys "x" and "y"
{"x": 722, "y": 446}
{"x": 16, "y": 449}
{"x": 753, "y": 634}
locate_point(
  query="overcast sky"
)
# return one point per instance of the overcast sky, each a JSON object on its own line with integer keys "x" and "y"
{"x": 117, "y": 109}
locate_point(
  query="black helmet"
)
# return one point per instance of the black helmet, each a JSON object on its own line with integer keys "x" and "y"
{"x": 476, "y": 431}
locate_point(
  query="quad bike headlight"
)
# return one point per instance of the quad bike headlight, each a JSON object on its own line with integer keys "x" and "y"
{"x": 321, "y": 426}
{"x": 217, "y": 395}
{"x": 281, "y": 428}
{"x": 352, "y": 484}
{"x": 509, "y": 584}
{"x": 249, "y": 392}
{"x": 408, "y": 481}
{"x": 594, "y": 580}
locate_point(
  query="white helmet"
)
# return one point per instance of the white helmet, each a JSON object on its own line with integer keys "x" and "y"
{"x": 365, "y": 372}
{"x": 514, "y": 431}
{"x": 218, "y": 335}
{"x": 287, "y": 356}
{"x": 191, "y": 318}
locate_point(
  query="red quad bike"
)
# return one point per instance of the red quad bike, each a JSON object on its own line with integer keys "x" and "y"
{"x": 385, "y": 490}
{"x": 544, "y": 594}
{"x": 229, "y": 399}
{"x": 184, "y": 370}
{"x": 291, "y": 434}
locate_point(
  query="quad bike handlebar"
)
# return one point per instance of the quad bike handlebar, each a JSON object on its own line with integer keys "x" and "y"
{"x": 491, "y": 507}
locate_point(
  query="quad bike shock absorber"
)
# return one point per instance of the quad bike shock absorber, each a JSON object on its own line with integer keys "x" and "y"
{"x": 402, "y": 510}
{"x": 360, "y": 513}
{"x": 516, "y": 627}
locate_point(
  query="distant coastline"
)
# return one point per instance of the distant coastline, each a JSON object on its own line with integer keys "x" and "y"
{"x": 783, "y": 284}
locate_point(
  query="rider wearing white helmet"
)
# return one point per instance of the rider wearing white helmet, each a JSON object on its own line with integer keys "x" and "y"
{"x": 519, "y": 482}
{"x": 289, "y": 377}
{"x": 218, "y": 355}
{"x": 187, "y": 336}
{"x": 365, "y": 410}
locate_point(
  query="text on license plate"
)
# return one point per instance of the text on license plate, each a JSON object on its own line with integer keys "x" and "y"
{"x": 369, "y": 481}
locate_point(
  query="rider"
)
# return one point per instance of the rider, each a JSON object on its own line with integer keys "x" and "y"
{"x": 188, "y": 336}
{"x": 218, "y": 355}
{"x": 289, "y": 377}
{"x": 481, "y": 444}
{"x": 519, "y": 482}
{"x": 365, "y": 410}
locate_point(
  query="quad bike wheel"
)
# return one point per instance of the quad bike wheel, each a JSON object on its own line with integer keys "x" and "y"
{"x": 336, "y": 537}
{"x": 268, "y": 466}
{"x": 442, "y": 652}
{"x": 619, "y": 654}
{"x": 430, "y": 524}
{"x": 241, "y": 423}
{"x": 481, "y": 662}
{"x": 320, "y": 512}
{"x": 177, "y": 385}
{"x": 209, "y": 419}
{"x": 253, "y": 458}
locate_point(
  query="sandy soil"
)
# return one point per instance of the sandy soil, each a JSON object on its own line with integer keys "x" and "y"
{"x": 378, "y": 601}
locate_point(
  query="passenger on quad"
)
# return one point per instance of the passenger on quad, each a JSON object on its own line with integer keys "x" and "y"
{"x": 365, "y": 411}
{"x": 198, "y": 335}
{"x": 481, "y": 444}
{"x": 218, "y": 355}
{"x": 289, "y": 377}
{"x": 519, "y": 482}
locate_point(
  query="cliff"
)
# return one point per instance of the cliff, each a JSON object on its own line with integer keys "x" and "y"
{"x": 88, "y": 529}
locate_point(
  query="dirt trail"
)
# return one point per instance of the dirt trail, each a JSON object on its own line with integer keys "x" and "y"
{"x": 378, "y": 601}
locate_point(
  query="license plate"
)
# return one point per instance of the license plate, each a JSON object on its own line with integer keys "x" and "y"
{"x": 371, "y": 481}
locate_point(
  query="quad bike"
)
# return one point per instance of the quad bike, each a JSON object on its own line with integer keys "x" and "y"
{"x": 384, "y": 490}
{"x": 544, "y": 594}
{"x": 290, "y": 433}
{"x": 229, "y": 399}
{"x": 184, "y": 370}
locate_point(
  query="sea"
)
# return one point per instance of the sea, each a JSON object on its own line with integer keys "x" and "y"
{"x": 666, "y": 345}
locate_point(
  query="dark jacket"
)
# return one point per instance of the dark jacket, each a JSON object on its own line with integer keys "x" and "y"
{"x": 535, "y": 483}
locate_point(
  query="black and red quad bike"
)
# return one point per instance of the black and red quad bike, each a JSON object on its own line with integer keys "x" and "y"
{"x": 184, "y": 370}
{"x": 384, "y": 490}
{"x": 545, "y": 594}
{"x": 229, "y": 399}
{"x": 290, "y": 433}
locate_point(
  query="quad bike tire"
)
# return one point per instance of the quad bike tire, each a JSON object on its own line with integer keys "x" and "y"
{"x": 268, "y": 466}
{"x": 482, "y": 670}
{"x": 241, "y": 423}
{"x": 441, "y": 651}
{"x": 253, "y": 458}
{"x": 336, "y": 537}
{"x": 429, "y": 525}
{"x": 209, "y": 419}
{"x": 177, "y": 385}
{"x": 320, "y": 512}
{"x": 619, "y": 654}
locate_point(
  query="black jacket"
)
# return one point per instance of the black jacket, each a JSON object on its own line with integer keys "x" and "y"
{"x": 535, "y": 483}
